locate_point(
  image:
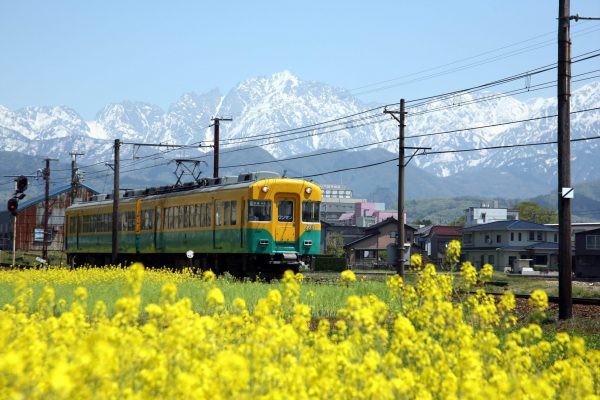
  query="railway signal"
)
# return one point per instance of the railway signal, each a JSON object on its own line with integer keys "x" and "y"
{"x": 12, "y": 206}
{"x": 20, "y": 186}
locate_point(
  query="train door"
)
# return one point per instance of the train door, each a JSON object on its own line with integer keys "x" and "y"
{"x": 157, "y": 233}
{"x": 217, "y": 221}
{"x": 242, "y": 220}
{"x": 77, "y": 228}
{"x": 287, "y": 213}
{"x": 138, "y": 224}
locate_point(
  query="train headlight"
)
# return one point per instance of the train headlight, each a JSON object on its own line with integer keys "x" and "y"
{"x": 308, "y": 190}
{"x": 265, "y": 189}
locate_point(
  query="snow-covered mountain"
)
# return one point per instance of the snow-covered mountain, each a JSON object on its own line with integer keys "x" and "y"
{"x": 278, "y": 103}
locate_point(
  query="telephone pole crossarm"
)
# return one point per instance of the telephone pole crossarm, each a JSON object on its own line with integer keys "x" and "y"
{"x": 416, "y": 151}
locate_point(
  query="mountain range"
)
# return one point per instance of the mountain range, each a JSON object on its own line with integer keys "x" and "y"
{"x": 271, "y": 108}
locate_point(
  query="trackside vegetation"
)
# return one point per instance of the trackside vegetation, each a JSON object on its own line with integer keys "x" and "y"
{"x": 431, "y": 339}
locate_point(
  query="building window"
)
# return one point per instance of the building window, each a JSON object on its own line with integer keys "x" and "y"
{"x": 498, "y": 238}
{"x": 512, "y": 236}
{"x": 491, "y": 259}
{"x": 468, "y": 238}
{"x": 531, "y": 236}
{"x": 592, "y": 242}
{"x": 540, "y": 236}
{"x": 555, "y": 237}
{"x": 487, "y": 239}
{"x": 519, "y": 236}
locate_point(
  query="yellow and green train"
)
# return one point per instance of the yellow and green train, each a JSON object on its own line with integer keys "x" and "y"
{"x": 256, "y": 222}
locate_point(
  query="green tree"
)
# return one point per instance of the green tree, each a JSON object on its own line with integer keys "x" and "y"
{"x": 460, "y": 221}
{"x": 530, "y": 211}
{"x": 335, "y": 244}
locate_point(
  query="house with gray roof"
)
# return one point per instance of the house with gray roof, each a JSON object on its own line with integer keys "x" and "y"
{"x": 511, "y": 244}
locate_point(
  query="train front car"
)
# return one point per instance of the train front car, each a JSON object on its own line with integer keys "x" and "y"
{"x": 284, "y": 229}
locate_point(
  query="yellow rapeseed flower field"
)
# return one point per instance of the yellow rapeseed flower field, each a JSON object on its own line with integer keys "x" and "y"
{"x": 420, "y": 343}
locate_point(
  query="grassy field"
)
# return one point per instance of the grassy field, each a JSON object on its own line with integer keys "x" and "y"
{"x": 321, "y": 291}
{"x": 324, "y": 297}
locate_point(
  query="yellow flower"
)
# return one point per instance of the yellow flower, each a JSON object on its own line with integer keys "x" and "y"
{"x": 215, "y": 298}
{"x": 486, "y": 273}
{"x": 347, "y": 277}
{"x": 208, "y": 276}
{"x": 416, "y": 261}
{"x": 538, "y": 300}
{"x": 453, "y": 252}
{"x": 469, "y": 273}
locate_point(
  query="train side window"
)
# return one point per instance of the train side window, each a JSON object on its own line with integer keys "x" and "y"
{"x": 131, "y": 221}
{"x": 208, "y": 214}
{"x": 167, "y": 218}
{"x": 259, "y": 210}
{"x": 158, "y": 218}
{"x": 285, "y": 211}
{"x": 233, "y": 212}
{"x": 147, "y": 220}
{"x": 311, "y": 211}
{"x": 185, "y": 217}
{"x": 218, "y": 207}
{"x": 226, "y": 213}
{"x": 176, "y": 217}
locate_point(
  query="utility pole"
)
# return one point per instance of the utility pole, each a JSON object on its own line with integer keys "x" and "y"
{"x": 565, "y": 296}
{"x": 117, "y": 189}
{"x": 565, "y": 191}
{"x": 215, "y": 123}
{"x": 115, "y": 210}
{"x": 400, "y": 237}
{"x": 46, "y": 176}
{"x": 74, "y": 177}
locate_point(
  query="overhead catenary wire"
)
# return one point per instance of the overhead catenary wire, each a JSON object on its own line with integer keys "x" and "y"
{"x": 377, "y": 86}
{"x": 272, "y": 136}
{"x": 430, "y": 134}
{"x": 429, "y": 153}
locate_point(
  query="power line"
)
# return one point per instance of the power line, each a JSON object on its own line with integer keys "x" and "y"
{"x": 545, "y": 68}
{"x": 498, "y": 124}
{"x": 357, "y": 91}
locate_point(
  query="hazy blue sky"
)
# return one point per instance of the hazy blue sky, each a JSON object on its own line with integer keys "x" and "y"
{"x": 85, "y": 54}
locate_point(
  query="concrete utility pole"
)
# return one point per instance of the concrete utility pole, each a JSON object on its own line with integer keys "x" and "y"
{"x": 115, "y": 210}
{"x": 215, "y": 123}
{"x": 565, "y": 300}
{"x": 74, "y": 177}
{"x": 46, "y": 176}
{"x": 400, "y": 237}
{"x": 117, "y": 189}
{"x": 565, "y": 191}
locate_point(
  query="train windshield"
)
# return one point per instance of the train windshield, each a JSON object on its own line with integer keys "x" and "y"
{"x": 285, "y": 211}
{"x": 259, "y": 210}
{"x": 310, "y": 211}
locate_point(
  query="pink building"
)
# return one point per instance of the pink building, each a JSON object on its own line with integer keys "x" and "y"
{"x": 367, "y": 214}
